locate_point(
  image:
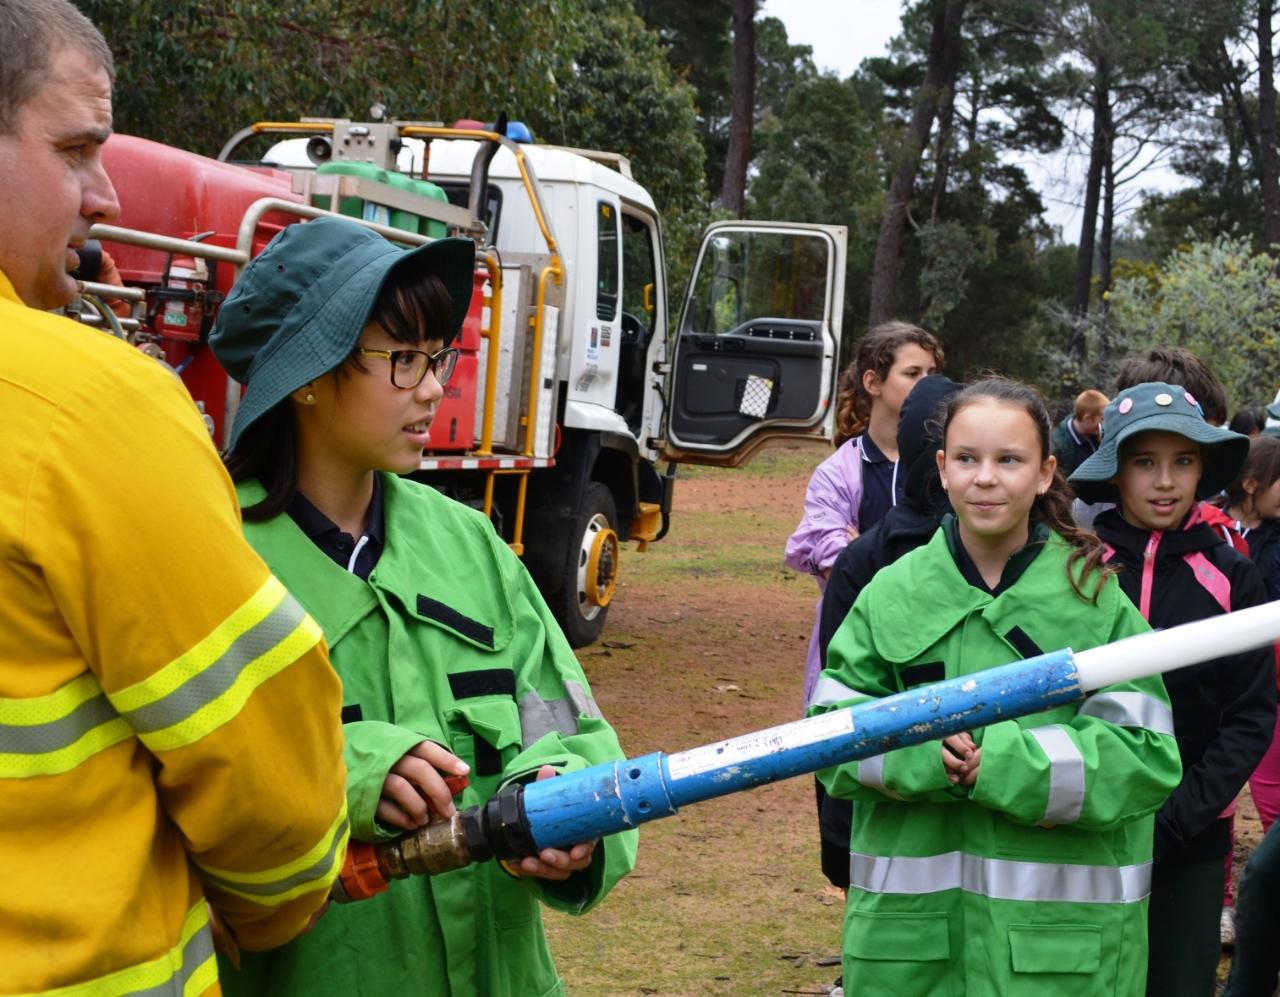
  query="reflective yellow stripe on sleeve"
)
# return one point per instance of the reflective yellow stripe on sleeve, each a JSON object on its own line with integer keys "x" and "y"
{"x": 208, "y": 685}
{"x": 271, "y": 887}
{"x": 48, "y": 735}
{"x": 186, "y": 970}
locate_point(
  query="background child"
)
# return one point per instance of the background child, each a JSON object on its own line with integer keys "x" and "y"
{"x": 852, "y": 489}
{"x": 1158, "y": 457}
{"x": 449, "y": 658}
{"x": 1253, "y": 502}
{"x": 1012, "y": 859}
{"x": 1076, "y": 437}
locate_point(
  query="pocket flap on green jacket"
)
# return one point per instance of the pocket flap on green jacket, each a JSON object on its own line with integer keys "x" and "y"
{"x": 1055, "y": 948}
{"x": 495, "y": 719}
{"x": 897, "y": 937}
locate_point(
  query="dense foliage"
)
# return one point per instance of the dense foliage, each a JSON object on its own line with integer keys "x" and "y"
{"x": 967, "y": 93}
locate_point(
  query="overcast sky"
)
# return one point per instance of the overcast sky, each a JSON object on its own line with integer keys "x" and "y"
{"x": 844, "y": 32}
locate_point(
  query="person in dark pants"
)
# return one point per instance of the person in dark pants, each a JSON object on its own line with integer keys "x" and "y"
{"x": 1255, "y": 968}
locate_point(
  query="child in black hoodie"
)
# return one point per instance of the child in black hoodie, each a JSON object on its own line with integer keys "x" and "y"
{"x": 1158, "y": 456}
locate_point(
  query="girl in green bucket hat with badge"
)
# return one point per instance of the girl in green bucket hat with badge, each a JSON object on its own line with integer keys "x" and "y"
{"x": 451, "y": 663}
{"x": 1158, "y": 457}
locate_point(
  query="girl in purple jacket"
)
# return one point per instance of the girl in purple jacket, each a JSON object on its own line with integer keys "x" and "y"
{"x": 852, "y": 489}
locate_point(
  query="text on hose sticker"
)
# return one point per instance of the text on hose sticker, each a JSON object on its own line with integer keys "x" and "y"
{"x": 736, "y": 750}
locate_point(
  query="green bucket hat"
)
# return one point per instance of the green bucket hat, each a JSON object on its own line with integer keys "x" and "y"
{"x": 1167, "y": 407}
{"x": 299, "y": 307}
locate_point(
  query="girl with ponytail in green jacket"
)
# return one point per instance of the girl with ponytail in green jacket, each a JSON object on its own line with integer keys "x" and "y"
{"x": 1014, "y": 859}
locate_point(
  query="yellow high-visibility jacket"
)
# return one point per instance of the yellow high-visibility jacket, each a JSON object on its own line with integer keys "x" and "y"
{"x": 169, "y": 722}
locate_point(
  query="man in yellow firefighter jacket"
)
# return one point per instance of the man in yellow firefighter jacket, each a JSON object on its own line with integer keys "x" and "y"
{"x": 146, "y": 653}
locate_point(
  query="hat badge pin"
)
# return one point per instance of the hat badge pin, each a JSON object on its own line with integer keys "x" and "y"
{"x": 1164, "y": 399}
{"x": 1125, "y": 405}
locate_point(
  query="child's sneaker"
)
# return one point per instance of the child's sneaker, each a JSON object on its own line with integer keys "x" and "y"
{"x": 837, "y": 990}
{"x": 1227, "y": 927}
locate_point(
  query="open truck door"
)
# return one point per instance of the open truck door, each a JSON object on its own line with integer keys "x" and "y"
{"x": 756, "y": 349}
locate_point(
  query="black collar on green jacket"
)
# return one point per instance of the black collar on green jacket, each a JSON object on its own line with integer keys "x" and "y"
{"x": 1013, "y": 568}
{"x": 442, "y": 564}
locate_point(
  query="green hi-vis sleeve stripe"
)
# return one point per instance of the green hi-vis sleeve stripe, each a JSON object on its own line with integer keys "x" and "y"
{"x": 206, "y": 687}
{"x": 186, "y": 970}
{"x": 271, "y": 887}
{"x": 49, "y": 735}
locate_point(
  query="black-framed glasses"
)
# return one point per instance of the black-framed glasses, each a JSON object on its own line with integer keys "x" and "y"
{"x": 409, "y": 367}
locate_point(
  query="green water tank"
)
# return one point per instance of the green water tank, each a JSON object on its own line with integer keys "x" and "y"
{"x": 357, "y": 208}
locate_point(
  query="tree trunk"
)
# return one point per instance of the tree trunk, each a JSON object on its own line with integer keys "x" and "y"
{"x": 1108, "y": 215}
{"x": 1092, "y": 192}
{"x": 942, "y": 153}
{"x": 733, "y": 194}
{"x": 1269, "y": 172}
{"x": 940, "y": 77}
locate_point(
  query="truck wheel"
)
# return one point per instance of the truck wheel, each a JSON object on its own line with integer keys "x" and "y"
{"x": 591, "y": 568}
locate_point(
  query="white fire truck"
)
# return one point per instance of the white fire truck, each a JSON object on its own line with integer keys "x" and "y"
{"x": 573, "y": 386}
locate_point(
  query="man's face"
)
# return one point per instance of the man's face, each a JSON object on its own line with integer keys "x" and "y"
{"x": 52, "y": 183}
{"x": 1090, "y": 424}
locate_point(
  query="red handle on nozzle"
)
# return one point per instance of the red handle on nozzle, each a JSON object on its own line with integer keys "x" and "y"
{"x": 363, "y": 875}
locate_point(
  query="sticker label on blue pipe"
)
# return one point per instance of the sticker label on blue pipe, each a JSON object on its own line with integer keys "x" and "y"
{"x": 737, "y": 750}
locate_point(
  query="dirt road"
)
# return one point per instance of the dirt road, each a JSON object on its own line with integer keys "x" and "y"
{"x": 707, "y": 640}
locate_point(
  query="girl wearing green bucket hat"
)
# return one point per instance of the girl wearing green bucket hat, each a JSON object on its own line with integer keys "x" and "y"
{"x": 451, "y": 663}
{"x": 1158, "y": 457}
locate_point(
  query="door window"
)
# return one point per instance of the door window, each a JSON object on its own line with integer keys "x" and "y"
{"x": 750, "y": 275}
{"x": 606, "y": 262}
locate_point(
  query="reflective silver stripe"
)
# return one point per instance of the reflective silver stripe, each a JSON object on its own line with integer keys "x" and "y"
{"x": 197, "y": 951}
{"x": 540, "y": 717}
{"x": 210, "y": 683}
{"x": 312, "y": 873}
{"x": 38, "y": 739}
{"x": 828, "y": 692}
{"x": 1130, "y": 709}
{"x": 1000, "y": 879}
{"x": 582, "y": 701}
{"x": 1066, "y": 774}
{"x": 871, "y": 775}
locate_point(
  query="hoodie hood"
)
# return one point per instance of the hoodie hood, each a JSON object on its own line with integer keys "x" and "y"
{"x": 920, "y": 438}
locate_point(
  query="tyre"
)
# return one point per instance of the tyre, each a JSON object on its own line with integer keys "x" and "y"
{"x": 590, "y": 568}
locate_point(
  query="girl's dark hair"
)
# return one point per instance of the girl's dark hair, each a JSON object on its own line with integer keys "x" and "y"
{"x": 876, "y": 351}
{"x": 1246, "y": 422}
{"x": 1053, "y": 508}
{"x": 1262, "y": 466}
{"x": 411, "y": 307}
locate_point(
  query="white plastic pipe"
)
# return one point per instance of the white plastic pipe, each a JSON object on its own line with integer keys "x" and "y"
{"x": 1165, "y": 650}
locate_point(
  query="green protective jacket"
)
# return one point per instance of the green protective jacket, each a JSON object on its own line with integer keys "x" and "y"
{"x": 448, "y": 641}
{"x": 1035, "y": 880}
